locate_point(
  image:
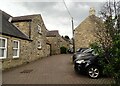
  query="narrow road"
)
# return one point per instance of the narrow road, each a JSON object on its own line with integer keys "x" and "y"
{"x": 50, "y": 70}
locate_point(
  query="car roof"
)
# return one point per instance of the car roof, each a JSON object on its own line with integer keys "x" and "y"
{"x": 88, "y": 50}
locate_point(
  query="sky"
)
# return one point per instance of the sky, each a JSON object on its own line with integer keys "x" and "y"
{"x": 54, "y": 13}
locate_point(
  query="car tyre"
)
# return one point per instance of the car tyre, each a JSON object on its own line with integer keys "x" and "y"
{"x": 76, "y": 69}
{"x": 93, "y": 72}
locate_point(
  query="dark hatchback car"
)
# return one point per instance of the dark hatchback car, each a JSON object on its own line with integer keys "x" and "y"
{"x": 88, "y": 63}
{"x": 79, "y": 51}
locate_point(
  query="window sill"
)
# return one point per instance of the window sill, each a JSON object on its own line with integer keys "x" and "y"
{"x": 2, "y": 58}
{"x": 39, "y": 48}
{"x": 16, "y": 57}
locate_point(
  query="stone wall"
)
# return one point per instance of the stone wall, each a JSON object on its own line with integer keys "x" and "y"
{"x": 35, "y": 36}
{"x": 24, "y": 54}
{"x": 84, "y": 33}
{"x": 48, "y": 50}
{"x": 55, "y": 45}
{"x": 57, "y": 42}
{"x": 23, "y": 26}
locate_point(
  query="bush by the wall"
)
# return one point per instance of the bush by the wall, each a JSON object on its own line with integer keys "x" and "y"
{"x": 63, "y": 50}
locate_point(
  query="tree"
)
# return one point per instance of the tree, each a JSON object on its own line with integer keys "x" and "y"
{"x": 67, "y": 37}
{"x": 63, "y": 50}
{"x": 108, "y": 39}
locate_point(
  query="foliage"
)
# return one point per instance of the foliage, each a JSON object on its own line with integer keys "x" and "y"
{"x": 63, "y": 50}
{"x": 111, "y": 68}
{"x": 67, "y": 37}
{"x": 108, "y": 43}
{"x": 97, "y": 48}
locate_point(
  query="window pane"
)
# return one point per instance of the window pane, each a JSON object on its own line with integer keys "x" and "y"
{"x": 2, "y": 51}
{"x": 2, "y": 42}
{"x": 14, "y": 52}
{"x": 15, "y": 44}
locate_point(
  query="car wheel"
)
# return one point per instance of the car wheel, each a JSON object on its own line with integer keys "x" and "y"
{"x": 76, "y": 69}
{"x": 93, "y": 72}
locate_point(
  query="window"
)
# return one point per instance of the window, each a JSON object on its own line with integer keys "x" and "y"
{"x": 39, "y": 29}
{"x": 39, "y": 45}
{"x": 3, "y": 48}
{"x": 16, "y": 49}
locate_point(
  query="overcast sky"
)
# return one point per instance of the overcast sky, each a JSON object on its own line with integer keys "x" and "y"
{"x": 54, "y": 14}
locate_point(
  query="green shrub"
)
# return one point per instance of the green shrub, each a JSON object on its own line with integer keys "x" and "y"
{"x": 113, "y": 67}
{"x": 63, "y": 50}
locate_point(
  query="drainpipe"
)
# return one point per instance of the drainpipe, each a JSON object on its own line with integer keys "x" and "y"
{"x": 73, "y": 36}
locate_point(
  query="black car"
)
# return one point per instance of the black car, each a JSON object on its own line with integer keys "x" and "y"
{"x": 88, "y": 63}
{"x": 79, "y": 51}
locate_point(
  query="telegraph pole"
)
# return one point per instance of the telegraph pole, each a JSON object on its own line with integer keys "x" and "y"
{"x": 72, "y": 26}
{"x": 73, "y": 36}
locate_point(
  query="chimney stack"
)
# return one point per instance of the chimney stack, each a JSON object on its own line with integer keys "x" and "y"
{"x": 91, "y": 11}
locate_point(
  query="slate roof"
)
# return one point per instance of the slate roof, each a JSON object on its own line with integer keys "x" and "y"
{"x": 52, "y": 33}
{"x": 7, "y": 28}
{"x": 24, "y": 18}
{"x": 6, "y": 16}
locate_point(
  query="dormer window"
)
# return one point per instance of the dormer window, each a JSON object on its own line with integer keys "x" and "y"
{"x": 10, "y": 19}
{"x": 39, "y": 29}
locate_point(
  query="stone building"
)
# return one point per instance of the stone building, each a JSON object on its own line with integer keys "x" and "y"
{"x": 33, "y": 26}
{"x": 57, "y": 41}
{"x": 22, "y": 39}
{"x": 54, "y": 39}
{"x": 84, "y": 33}
{"x": 64, "y": 42}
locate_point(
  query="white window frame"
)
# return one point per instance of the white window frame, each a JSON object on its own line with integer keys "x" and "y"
{"x": 39, "y": 29}
{"x": 18, "y": 49}
{"x": 5, "y": 51}
{"x": 39, "y": 45}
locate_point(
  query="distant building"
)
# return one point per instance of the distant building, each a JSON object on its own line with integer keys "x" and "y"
{"x": 84, "y": 34}
{"x": 64, "y": 42}
{"x": 56, "y": 41}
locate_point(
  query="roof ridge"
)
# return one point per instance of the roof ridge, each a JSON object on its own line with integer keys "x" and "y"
{"x": 88, "y": 17}
{"x": 10, "y": 30}
{"x": 28, "y": 15}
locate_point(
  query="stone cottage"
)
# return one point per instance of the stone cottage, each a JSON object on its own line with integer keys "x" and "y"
{"x": 54, "y": 39}
{"x": 84, "y": 33}
{"x": 34, "y": 27}
{"x": 64, "y": 42}
{"x": 22, "y": 39}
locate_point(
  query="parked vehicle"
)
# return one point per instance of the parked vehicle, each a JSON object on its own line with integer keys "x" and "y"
{"x": 80, "y": 50}
{"x": 70, "y": 51}
{"x": 88, "y": 63}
